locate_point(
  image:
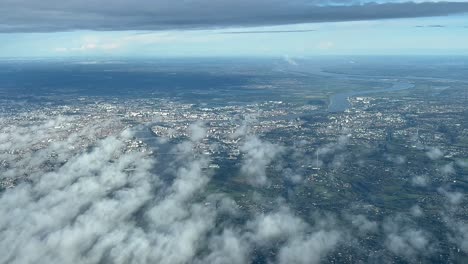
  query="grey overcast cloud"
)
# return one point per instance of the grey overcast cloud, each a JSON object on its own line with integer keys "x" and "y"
{"x": 108, "y": 15}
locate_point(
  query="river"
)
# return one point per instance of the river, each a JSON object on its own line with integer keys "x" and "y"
{"x": 340, "y": 102}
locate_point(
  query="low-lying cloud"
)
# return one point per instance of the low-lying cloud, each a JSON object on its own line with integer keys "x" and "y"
{"x": 106, "y": 204}
{"x": 85, "y": 195}
{"x": 258, "y": 155}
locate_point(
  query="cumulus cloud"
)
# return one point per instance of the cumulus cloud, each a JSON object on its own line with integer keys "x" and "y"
{"x": 434, "y": 153}
{"x": 419, "y": 181}
{"x": 276, "y": 226}
{"x": 197, "y": 131}
{"x": 104, "y": 202}
{"x": 462, "y": 163}
{"x": 297, "y": 240}
{"x": 459, "y": 233}
{"x": 292, "y": 177}
{"x": 78, "y": 212}
{"x": 29, "y": 149}
{"x": 453, "y": 197}
{"x": 244, "y": 128}
{"x": 409, "y": 243}
{"x": 333, "y": 150}
{"x": 309, "y": 249}
{"x": 258, "y": 155}
{"x": 335, "y": 146}
{"x": 406, "y": 240}
{"x": 397, "y": 159}
{"x": 229, "y": 247}
{"x": 363, "y": 224}
{"x": 54, "y": 15}
{"x": 101, "y": 205}
{"x": 416, "y": 211}
{"x": 90, "y": 196}
{"x": 447, "y": 169}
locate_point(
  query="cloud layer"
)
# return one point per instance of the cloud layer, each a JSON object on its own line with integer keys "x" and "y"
{"x": 86, "y": 195}
{"x": 106, "y": 204}
{"x": 54, "y": 15}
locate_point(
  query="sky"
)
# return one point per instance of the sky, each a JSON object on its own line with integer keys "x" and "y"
{"x": 205, "y": 28}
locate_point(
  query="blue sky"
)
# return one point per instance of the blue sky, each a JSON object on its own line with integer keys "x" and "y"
{"x": 438, "y": 35}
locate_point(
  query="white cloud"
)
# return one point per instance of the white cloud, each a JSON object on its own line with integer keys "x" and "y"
{"x": 406, "y": 240}
{"x": 102, "y": 204}
{"x": 276, "y": 226}
{"x": 258, "y": 155}
{"x": 447, "y": 169}
{"x": 197, "y": 131}
{"x": 416, "y": 211}
{"x": 363, "y": 224}
{"x": 309, "y": 249}
{"x": 419, "y": 181}
{"x": 454, "y": 198}
{"x": 229, "y": 247}
{"x": 434, "y": 153}
{"x": 108, "y": 205}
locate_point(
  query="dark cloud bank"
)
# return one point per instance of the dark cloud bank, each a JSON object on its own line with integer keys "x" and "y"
{"x": 55, "y": 15}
